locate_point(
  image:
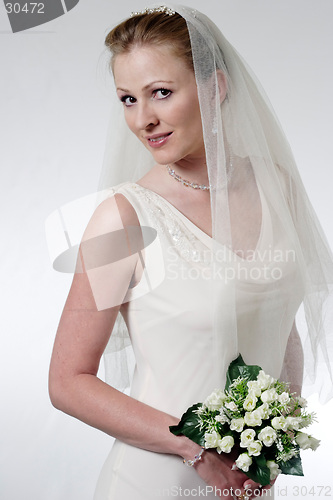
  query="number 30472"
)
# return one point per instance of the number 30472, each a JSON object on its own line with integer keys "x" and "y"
{"x": 28, "y": 8}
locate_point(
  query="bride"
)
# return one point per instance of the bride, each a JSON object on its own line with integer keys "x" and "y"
{"x": 205, "y": 254}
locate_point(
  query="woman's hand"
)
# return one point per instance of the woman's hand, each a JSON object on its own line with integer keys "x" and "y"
{"x": 216, "y": 470}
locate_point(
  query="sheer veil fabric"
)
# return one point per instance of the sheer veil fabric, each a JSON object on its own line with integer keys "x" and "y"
{"x": 248, "y": 160}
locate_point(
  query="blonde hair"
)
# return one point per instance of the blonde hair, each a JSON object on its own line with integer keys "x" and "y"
{"x": 155, "y": 28}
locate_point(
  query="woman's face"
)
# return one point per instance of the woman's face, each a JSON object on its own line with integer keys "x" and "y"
{"x": 161, "y": 106}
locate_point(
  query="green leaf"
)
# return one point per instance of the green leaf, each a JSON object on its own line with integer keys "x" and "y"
{"x": 292, "y": 467}
{"x": 189, "y": 426}
{"x": 258, "y": 471}
{"x": 238, "y": 368}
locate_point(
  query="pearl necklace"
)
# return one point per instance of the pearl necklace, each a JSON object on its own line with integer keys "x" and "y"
{"x": 185, "y": 182}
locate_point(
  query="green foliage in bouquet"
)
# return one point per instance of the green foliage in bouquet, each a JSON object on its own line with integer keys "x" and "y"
{"x": 189, "y": 426}
{"x": 238, "y": 369}
{"x": 256, "y": 415}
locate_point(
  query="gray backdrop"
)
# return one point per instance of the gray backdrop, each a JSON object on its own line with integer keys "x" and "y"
{"x": 54, "y": 114}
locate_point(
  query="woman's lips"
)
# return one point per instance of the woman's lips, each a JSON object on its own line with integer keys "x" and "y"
{"x": 156, "y": 141}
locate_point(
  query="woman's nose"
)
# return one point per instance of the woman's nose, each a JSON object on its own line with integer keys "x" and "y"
{"x": 146, "y": 116}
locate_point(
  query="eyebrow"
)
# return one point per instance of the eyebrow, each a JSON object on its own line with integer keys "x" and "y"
{"x": 147, "y": 86}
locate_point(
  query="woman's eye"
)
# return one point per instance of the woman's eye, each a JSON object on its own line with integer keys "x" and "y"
{"x": 128, "y": 100}
{"x": 162, "y": 93}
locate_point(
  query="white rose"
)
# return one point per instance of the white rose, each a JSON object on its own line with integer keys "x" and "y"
{"x": 294, "y": 423}
{"x": 252, "y": 418}
{"x": 284, "y": 398}
{"x": 279, "y": 423}
{"x": 273, "y": 469}
{"x": 247, "y": 437}
{"x": 212, "y": 439}
{"x": 269, "y": 395}
{"x": 264, "y": 381}
{"x": 237, "y": 424}
{"x": 250, "y": 402}
{"x": 243, "y": 462}
{"x": 267, "y": 436}
{"x": 314, "y": 443}
{"x": 225, "y": 444}
{"x": 302, "y": 440}
{"x": 305, "y": 441}
{"x": 254, "y": 448}
{"x": 254, "y": 387}
{"x": 231, "y": 406}
{"x": 215, "y": 400}
{"x": 263, "y": 411}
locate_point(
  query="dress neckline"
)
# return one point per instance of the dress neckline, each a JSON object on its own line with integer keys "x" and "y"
{"x": 175, "y": 209}
{"x": 208, "y": 240}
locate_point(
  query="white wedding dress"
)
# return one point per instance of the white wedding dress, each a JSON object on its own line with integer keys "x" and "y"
{"x": 170, "y": 325}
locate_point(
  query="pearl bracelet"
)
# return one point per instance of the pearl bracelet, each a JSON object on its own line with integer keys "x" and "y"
{"x": 196, "y": 459}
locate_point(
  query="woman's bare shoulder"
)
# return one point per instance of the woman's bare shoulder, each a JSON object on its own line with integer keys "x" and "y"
{"x": 113, "y": 213}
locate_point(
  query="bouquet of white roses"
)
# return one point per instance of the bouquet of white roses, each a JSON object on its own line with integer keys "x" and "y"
{"x": 259, "y": 416}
